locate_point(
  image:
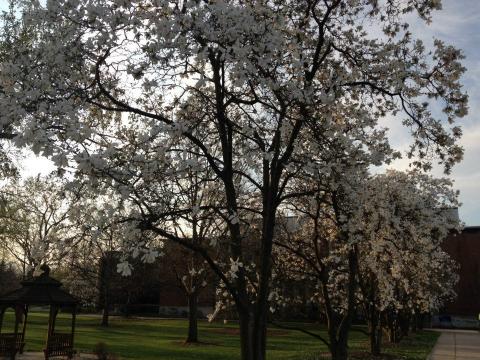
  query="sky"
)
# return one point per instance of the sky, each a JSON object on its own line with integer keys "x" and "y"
{"x": 457, "y": 24}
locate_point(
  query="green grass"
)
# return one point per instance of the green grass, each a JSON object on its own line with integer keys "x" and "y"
{"x": 416, "y": 346}
{"x": 163, "y": 339}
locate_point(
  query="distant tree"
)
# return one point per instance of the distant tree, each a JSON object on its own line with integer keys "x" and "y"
{"x": 403, "y": 269}
{"x": 35, "y": 224}
{"x": 321, "y": 249}
{"x": 192, "y": 276}
{"x": 93, "y": 261}
{"x": 9, "y": 279}
{"x": 96, "y": 257}
{"x": 192, "y": 271}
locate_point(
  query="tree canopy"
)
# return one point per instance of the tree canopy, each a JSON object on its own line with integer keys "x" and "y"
{"x": 253, "y": 98}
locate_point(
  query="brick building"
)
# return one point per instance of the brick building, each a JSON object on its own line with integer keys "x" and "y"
{"x": 465, "y": 249}
{"x": 152, "y": 289}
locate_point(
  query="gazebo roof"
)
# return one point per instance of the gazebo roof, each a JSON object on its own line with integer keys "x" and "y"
{"x": 40, "y": 290}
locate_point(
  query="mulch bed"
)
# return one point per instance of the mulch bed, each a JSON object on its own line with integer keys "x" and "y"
{"x": 356, "y": 355}
{"x": 364, "y": 355}
{"x": 234, "y": 331}
{"x": 196, "y": 344}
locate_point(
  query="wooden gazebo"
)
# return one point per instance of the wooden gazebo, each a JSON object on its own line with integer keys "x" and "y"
{"x": 41, "y": 290}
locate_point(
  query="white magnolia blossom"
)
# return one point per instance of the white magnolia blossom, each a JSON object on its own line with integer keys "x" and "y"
{"x": 124, "y": 268}
{"x": 235, "y": 266}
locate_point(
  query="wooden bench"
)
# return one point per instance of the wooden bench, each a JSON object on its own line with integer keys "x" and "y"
{"x": 59, "y": 344}
{"x": 10, "y": 345}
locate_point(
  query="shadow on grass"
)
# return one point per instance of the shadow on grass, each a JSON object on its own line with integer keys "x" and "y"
{"x": 152, "y": 339}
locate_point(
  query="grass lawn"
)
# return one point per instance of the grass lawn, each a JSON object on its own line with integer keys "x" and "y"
{"x": 163, "y": 339}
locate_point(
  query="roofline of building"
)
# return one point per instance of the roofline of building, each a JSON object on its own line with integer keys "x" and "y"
{"x": 471, "y": 228}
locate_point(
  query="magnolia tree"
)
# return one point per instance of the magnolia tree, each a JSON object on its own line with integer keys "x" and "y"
{"x": 323, "y": 251}
{"x": 9, "y": 278}
{"x": 129, "y": 89}
{"x": 191, "y": 199}
{"x": 403, "y": 270}
{"x": 371, "y": 244}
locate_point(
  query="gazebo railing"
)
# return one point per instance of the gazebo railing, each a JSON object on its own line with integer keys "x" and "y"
{"x": 59, "y": 344}
{"x": 10, "y": 344}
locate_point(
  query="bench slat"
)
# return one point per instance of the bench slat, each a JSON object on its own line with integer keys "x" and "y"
{"x": 59, "y": 344}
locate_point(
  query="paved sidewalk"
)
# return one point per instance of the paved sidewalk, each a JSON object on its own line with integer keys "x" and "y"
{"x": 457, "y": 345}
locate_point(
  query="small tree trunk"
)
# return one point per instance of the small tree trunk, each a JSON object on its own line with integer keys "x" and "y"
{"x": 392, "y": 327}
{"x": 106, "y": 306}
{"x": 127, "y": 306}
{"x": 192, "y": 318}
{"x": 104, "y": 287}
{"x": 393, "y": 337}
{"x": 375, "y": 330}
{"x": 105, "y": 316}
{"x": 420, "y": 320}
{"x": 404, "y": 325}
{"x": 339, "y": 324}
{"x": 376, "y": 342}
{"x": 414, "y": 323}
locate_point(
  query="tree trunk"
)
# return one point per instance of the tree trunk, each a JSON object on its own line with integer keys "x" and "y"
{"x": 375, "y": 338}
{"x": 419, "y": 321}
{"x": 393, "y": 337}
{"x": 414, "y": 324}
{"x": 338, "y": 329}
{"x": 404, "y": 324}
{"x": 104, "y": 286}
{"x": 106, "y": 306}
{"x": 252, "y": 336}
{"x": 339, "y": 348}
{"x": 105, "y": 316}
{"x": 375, "y": 330}
{"x": 261, "y": 336}
{"x": 192, "y": 318}
{"x": 339, "y": 324}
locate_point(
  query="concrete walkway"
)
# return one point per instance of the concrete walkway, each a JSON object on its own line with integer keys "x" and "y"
{"x": 457, "y": 345}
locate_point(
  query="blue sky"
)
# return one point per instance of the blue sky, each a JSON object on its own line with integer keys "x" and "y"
{"x": 458, "y": 24}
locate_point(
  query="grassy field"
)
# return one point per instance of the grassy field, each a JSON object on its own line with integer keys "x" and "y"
{"x": 163, "y": 339}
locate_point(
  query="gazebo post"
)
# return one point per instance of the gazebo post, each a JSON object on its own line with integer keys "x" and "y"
{"x": 24, "y": 327}
{"x": 74, "y": 316}
{"x": 55, "y": 313}
{"x": 2, "y": 313}
{"x": 17, "y": 319}
{"x": 51, "y": 329}
{"x": 50, "y": 322}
